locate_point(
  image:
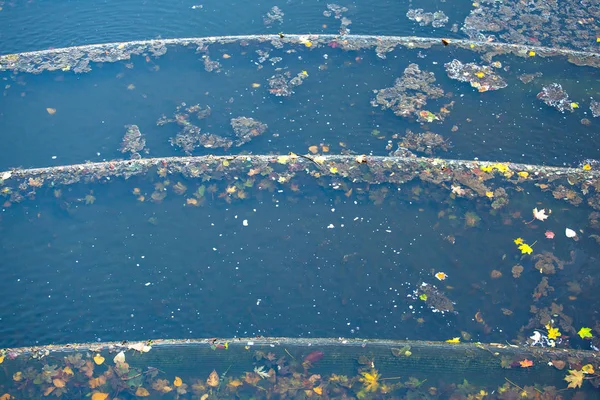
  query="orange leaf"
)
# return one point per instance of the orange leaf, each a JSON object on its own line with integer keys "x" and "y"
{"x": 313, "y": 149}
{"x": 68, "y": 371}
{"x": 59, "y": 383}
{"x": 318, "y": 390}
{"x": 99, "y": 396}
{"x": 235, "y": 383}
{"x": 49, "y": 390}
{"x": 94, "y": 383}
{"x": 213, "y": 379}
{"x": 526, "y": 363}
{"x": 6, "y": 396}
{"x": 141, "y": 392}
{"x": 177, "y": 382}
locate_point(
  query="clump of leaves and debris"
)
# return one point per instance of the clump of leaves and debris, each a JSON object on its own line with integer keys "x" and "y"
{"x": 426, "y": 142}
{"x": 410, "y": 93}
{"x": 481, "y": 77}
{"x": 554, "y": 96}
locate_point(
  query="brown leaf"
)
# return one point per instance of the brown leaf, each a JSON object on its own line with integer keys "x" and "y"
{"x": 142, "y": 392}
{"x": 558, "y": 364}
{"x": 575, "y": 378}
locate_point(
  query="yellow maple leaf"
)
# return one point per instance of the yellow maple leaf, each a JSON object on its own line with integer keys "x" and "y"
{"x": 318, "y": 390}
{"x": 99, "y": 396}
{"x": 575, "y": 378}
{"x": 333, "y": 170}
{"x": 587, "y": 167}
{"x": 585, "y": 333}
{"x": 177, "y": 382}
{"x": 531, "y": 53}
{"x": 487, "y": 168}
{"x": 453, "y": 340}
{"x": 370, "y": 380}
{"x": 518, "y": 241}
{"x": 553, "y": 333}
{"x": 142, "y": 392}
{"x": 489, "y": 194}
{"x": 480, "y": 74}
{"x": 525, "y": 248}
{"x": 523, "y": 174}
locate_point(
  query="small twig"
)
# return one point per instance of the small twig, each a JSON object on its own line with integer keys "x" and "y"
{"x": 394, "y": 377}
{"x": 289, "y": 354}
{"x": 514, "y": 384}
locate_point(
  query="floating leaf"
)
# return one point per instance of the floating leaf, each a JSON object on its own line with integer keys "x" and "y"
{"x": 99, "y": 396}
{"x": 51, "y": 111}
{"x": 587, "y": 167}
{"x": 333, "y": 170}
{"x": 313, "y": 149}
{"x": 95, "y": 382}
{"x": 541, "y": 214}
{"x": 523, "y": 174}
{"x": 525, "y": 248}
{"x": 585, "y": 333}
{"x": 575, "y": 379}
{"x": 119, "y": 358}
{"x": 570, "y": 233}
{"x": 177, "y": 382}
{"x": 553, "y": 333}
{"x": 59, "y": 383}
{"x": 587, "y": 369}
{"x": 318, "y": 390}
{"x": 213, "y": 379}
{"x": 142, "y": 392}
{"x": 526, "y": 363}
{"x": 453, "y": 340}
{"x": 531, "y": 53}
{"x": 423, "y": 297}
{"x": 98, "y": 359}
{"x": 370, "y": 380}
{"x": 17, "y": 376}
{"x": 256, "y": 85}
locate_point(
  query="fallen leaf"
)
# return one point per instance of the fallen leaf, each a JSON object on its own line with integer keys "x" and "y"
{"x": 6, "y": 396}
{"x": 361, "y": 159}
{"x": 59, "y": 383}
{"x": 141, "y": 347}
{"x": 313, "y": 149}
{"x": 99, "y": 396}
{"x": 177, "y": 382}
{"x": 587, "y": 369}
{"x": 17, "y": 376}
{"x": 142, "y": 392}
{"x": 559, "y": 364}
{"x": 95, "y": 382}
{"x": 333, "y": 170}
{"x": 526, "y": 363}
{"x": 119, "y": 358}
{"x": 541, "y": 214}
{"x": 585, "y": 333}
{"x": 213, "y": 379}
{"x": 235, "y": 383}
{"x": 440, "y": 276}
{"x": 49, "y": 390}
{"x": 256, "y": 85}
{"x": 51, "y": 111}
{"x": 525, "y": 248}
{"x": 523, "y": 174}
{"x": 98, "y": 359}
{"x": 453, "y": 340}
{"x": 226, "y": 56}
{"x": 549, "y": 235}
{"x": 553, "y": 333}
{"x": 570, "y": 233}
{"x": 587, "y": 167}
{"x": 518, "y": 241}
{"x": 318, "y": 390}
{"x": 575, "y": 379}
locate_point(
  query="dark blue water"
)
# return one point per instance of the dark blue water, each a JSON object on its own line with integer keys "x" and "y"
{"x": 313, "y": 261}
